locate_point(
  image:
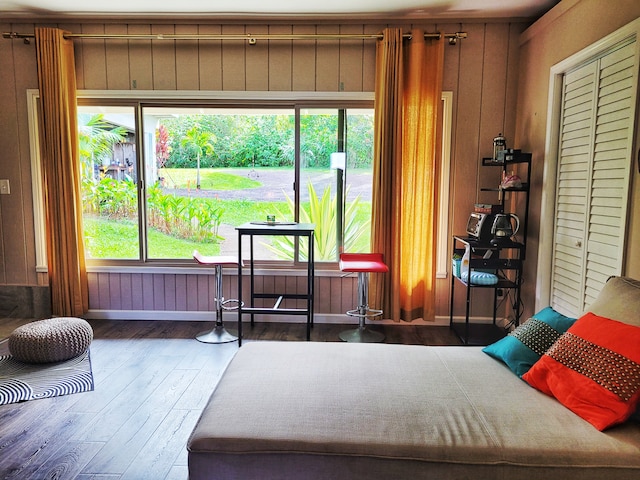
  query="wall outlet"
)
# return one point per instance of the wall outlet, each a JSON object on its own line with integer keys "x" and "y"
{"x": 4, "y": 187}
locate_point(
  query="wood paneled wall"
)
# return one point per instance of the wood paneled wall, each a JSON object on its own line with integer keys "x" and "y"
{"x": 567, "y": 29}
{"x": 481, "y": 71}
{"x": 189, "y": 296}
{"x": 230, "y": 65}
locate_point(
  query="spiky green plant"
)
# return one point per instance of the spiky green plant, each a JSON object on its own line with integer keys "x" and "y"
{"x": 322, "y": 211}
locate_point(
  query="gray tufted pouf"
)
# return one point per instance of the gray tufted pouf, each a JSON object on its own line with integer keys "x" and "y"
{"x": 50, "y": 340}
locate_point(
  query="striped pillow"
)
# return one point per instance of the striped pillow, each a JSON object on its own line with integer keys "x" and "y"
{"x": 527, "y": 343}
{"x": 593, "y": 369}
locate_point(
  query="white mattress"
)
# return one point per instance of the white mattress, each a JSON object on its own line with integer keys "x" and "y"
{"x": 309, "y": 410}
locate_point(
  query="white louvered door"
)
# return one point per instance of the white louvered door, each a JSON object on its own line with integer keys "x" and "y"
{"x": 596, "y": 132}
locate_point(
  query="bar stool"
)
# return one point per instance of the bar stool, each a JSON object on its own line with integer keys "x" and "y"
{"x": 219, "y": 334}
{"x": 363, "y": 264}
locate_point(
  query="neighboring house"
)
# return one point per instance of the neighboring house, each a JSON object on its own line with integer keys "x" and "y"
{"x": 499, "y": 78}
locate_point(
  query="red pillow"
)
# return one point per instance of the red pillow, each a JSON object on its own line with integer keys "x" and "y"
{"x": 593, "y": 369}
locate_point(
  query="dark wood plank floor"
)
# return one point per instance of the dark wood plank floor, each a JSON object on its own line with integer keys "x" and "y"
{"x": 152, "y": 380}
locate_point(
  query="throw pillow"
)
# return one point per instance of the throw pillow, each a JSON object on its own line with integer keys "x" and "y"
{"x": 593, "y": 369}
{"x": 619, "y": 299}
{"x": 525, "y": 345}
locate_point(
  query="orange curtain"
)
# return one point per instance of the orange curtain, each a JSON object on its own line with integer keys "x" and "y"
{"x": 407, "y": 99}
{"x": 61, "y": 172}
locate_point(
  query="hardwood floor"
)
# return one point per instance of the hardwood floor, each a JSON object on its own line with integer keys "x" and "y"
{"x": 152, "y": 380}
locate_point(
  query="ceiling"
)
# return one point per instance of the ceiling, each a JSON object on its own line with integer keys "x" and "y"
{"x": 244, "y": 9}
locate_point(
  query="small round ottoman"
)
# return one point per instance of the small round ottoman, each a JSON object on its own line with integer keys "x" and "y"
{"x": 50, "y": 340}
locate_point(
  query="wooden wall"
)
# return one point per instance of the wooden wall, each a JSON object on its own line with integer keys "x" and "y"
{"x": 481, "y": 71}
{"x": 570, "y": 27}
{"x": 190, "y": 296}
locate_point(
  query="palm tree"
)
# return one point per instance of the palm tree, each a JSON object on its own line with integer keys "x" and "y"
{"x": 199, "y": 142}
{"x": 96, "y": 139}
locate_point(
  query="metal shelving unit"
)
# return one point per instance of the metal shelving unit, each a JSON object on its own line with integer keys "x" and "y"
{"x": 509, "y": 271}
{"x": 505, "y": 258}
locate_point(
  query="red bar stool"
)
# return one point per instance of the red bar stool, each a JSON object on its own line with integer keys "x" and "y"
{"x": 363, "y": 264}
{"x": 219, "y": 334}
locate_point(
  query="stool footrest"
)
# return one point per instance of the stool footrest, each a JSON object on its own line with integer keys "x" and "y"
{"x": 369, "y": 312}
{"x": 236, "y": 304}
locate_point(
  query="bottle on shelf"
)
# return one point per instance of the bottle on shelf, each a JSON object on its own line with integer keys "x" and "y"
{"x": 464, "y": 264}
{"x": 499, "y": 144}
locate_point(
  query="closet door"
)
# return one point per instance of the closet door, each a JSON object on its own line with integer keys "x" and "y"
{"x": 596, "y": 132}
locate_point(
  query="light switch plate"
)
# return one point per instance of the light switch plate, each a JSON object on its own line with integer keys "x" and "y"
{"x": 4, "y": 187}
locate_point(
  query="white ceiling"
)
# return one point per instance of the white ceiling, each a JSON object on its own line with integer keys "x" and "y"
{"x": 381, "y": 9}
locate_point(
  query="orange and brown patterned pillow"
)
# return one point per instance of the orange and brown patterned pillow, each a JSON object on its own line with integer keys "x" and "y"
{"x": 593, "y": 369}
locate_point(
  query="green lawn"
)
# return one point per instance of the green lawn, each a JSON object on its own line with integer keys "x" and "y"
{"x": 210, "y": 179}
{"x": 237, "y": 212}
{"x": 119, "y": 240}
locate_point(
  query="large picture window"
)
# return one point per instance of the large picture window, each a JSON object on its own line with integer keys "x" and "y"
{"x": 124, "y": 152}
{"x": 160, "y": 180}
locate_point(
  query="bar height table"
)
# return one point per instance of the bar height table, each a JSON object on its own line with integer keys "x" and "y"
{"x": 252, "y": 229}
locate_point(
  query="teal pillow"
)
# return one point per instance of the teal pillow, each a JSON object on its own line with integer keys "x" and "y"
{"x": 527, "y": 343}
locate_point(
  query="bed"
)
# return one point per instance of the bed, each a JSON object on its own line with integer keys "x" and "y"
{"x": 308, "y": 410}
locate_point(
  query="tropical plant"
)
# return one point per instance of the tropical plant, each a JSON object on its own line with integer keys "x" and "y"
{"x": 199, "y": 142}
{"x": 163, "y": 149}
{"x": 322, "y": 211}
{"x": 96, "y": 139}
{"x": 267, "y": 140}
{"x": 181, "y": 217}
{"x": 184, "y": 217}
{"x": 109, "y": 197}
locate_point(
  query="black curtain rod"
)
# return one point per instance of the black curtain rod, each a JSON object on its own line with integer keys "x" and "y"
{"x": 453, "y": 37}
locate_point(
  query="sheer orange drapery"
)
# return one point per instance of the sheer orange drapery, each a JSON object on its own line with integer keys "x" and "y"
{"x": 61, "y": 172}
{"x": 407, "y": 98}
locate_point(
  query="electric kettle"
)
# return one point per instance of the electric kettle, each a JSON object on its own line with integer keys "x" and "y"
{"x": 505, "y": 225}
